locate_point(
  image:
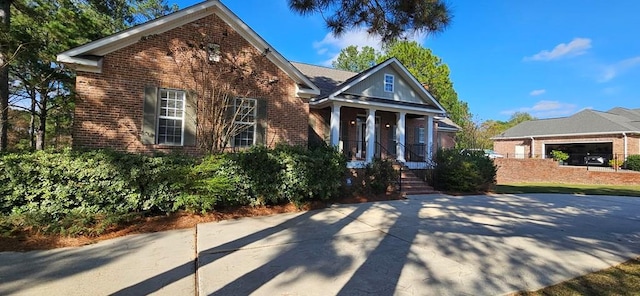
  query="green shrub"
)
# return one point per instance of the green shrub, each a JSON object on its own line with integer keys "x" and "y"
{"x": 379, "y": 175}
{"x": 633, "y": 162}
{"x": 558, "y": 155}
{"x": 463, "y": 172}
{"x": 94, "y": 182}
{"x": 72, "y": 192}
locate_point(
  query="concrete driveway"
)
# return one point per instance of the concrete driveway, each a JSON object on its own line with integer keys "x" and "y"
{"x": 427, "y": 245}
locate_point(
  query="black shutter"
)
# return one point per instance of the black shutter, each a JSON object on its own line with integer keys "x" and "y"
{"x": 191, "y": 119}
{"x": 261, "y": 124}
{"x": 149, "y": 121}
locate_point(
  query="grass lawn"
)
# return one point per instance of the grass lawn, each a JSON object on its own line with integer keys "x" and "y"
{"x": 627, "y": 190}
{"x": 623, "y": 279}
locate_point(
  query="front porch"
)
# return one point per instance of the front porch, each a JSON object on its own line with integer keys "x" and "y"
{"x": 364, "y": 133}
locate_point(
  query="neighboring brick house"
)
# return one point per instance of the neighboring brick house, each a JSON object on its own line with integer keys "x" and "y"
{"x": 140, "y": 90}
{"x": 586, "y": 136}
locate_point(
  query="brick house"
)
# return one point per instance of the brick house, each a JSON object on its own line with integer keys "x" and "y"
{"x": 141, "y": 89}
{"x": 589, "y": 136}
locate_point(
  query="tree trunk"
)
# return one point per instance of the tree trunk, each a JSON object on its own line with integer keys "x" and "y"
{"x": 40, "y": 134}
{"x": 5, "y": 18}
{"x": 32, "y": 121}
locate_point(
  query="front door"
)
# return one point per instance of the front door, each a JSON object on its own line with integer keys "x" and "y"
{"x": 361, "y": 133}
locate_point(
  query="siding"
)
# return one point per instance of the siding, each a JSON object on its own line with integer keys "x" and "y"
{"x": 373, "y": 86}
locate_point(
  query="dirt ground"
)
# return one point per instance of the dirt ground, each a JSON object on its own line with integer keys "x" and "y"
{"x": 27, "y": 241}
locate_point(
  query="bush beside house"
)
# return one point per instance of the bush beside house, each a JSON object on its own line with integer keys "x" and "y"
{"x": 57, "y": 191}
{"x": 465, "y": 172}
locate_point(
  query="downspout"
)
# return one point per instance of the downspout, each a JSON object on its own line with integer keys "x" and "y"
{"x": 625, "y": 146}
{"x": 533, "y": 147}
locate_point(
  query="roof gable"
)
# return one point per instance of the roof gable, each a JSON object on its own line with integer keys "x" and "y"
{"x": 88, "y": 57}
{"x": 360, "y": 83}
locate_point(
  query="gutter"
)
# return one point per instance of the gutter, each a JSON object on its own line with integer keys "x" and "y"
{"x": 564, "y": 135}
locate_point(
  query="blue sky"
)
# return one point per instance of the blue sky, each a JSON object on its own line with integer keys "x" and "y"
{"x": 548, "y": 58}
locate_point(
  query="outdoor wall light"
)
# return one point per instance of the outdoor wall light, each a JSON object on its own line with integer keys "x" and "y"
{"x": 353, "y": 122}
{"x": 213, "y": 51}
{"x": 387, "y": 125}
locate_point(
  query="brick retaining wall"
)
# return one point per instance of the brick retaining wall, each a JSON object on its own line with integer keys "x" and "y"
{"x": 535, "y": 170}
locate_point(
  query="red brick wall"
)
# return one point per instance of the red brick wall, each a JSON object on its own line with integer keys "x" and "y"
{"x": 110, "y": 105}
{"x": 533, "y": 170}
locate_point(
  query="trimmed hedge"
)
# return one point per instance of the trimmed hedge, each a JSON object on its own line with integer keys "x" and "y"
{"x": 43, "y": 187}
{"x": 633, "y": 162}
{"x": 470, "y": 171}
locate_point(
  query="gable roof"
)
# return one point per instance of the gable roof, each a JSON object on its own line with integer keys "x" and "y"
{"x": 88, "y": 57}
{"x": 586, "y": 122}
{"x": 447, "y": 125}
{"x": 335, "y": 82}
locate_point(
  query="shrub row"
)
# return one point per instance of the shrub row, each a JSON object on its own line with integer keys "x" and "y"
{"x": 55, "y": 186}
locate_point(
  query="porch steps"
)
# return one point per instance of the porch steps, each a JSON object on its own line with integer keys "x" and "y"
{"x": 412, "y": 185}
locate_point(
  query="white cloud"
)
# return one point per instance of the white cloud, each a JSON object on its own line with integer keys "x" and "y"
{"x": 330, "y": 46}
{"x": 577, "y": 46}
{"x": 546, "y": 109}
{"x": 612, "y": 71}
{"x": 537, "y": 92}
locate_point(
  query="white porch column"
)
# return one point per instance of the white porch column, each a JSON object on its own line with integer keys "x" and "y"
{"x": 371, "y": 134}
{"x": 429, "y": 136}
{"x": 400, "y": 135}
{"x": 335, "y": 125}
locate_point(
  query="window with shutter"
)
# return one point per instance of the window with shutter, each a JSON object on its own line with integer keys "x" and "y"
{"x": 245, "y": 111}
{"x": 169, "y": 117}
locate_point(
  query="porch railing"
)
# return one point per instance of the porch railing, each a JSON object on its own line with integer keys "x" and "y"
{"x": 414, "y": 152}
{"x": 357, "y": 150}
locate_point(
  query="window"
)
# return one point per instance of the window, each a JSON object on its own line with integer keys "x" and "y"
{"x": 388, "y": 83}
{"x": 171, "y": 117}
{"x": 245, "y": 122}
{"x": 420, "y": 135}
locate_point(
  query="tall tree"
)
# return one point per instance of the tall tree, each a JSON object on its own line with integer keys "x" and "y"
{"x": 433, "y": 73}
{"x": 388, "y": 19}
{"x": 5, "y": 25}
{"x": 491, "y": 128}
{"x": 428, "y": 69}
{"x": 48, "y": 27}
{"x": 354, "y": 60}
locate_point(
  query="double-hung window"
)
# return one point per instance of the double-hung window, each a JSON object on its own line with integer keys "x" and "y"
{"x": 245, "y": 111}
{"x": 388, "y": 83}
{"x": 171, "y": 117}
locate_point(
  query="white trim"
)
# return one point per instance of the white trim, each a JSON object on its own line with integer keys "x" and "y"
{"x": 401, "y": 127}
{"x": 393, "y": 82}
{"x": 390, "y": 107}
{"x": 403, "y": 71}
{"x": 565, "y": 135}
{"x": 564, "y": 142}
{"x": 159, "y": 116}
{"x": 334, "y": 125}
{"x": 429, "y": 137}
{"x": 625, "y": 146}
{"x": 371, "y": 134}
{"x": 253, "y": 124}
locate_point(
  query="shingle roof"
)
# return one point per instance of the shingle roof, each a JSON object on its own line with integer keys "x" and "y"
{"x": 327, "y": 79}
{"x": 617, "y": 120}
{"x": 447, "y": 123}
